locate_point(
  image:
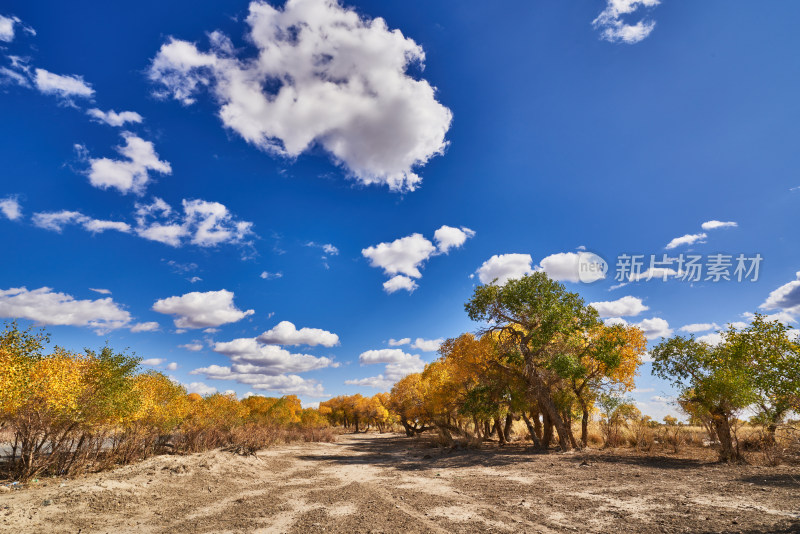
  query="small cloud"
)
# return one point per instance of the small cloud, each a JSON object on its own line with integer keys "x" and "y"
{"x": 172, "y": 366}
{"x": 153, "y": 362}
{"x": 398, "y": 282}
{"x": 64, "y": 86}
{"x": 194, "y": 347}
{"x": 713, "y": 225}
{"x": 266, "y": 275}
{"x": 623, "y": 307}
{"x": 202, "y": 310}
{"x": 504, "y": 267}
{"x": 448, "y": 237}
{"x": 10, "y": 208}
{"x": 427, "y": 345}
{"x": 101, "y": 291}
{"x": 151, "y": 326}
{"x": 112, "y": 118}
{"x": 612, "y": 25}
{"x": 399, "y": 342}
{"x": 285, "y": 333}
{"x": 698, "y": 327}
{"x": 688, "y": 239}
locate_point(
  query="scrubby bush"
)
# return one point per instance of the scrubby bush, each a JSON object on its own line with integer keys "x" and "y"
{"x": 64, "y": 413}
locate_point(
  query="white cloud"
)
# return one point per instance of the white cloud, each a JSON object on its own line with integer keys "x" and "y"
{"x": 427, "y": 345}
{"x": 129, "y": 174}
{"x": 786, "y": 297}
{"x": 385, "y": 356}
{"x": 713, "y": 225}
{"x": 623, "y": 307}
{"x": 47, "y": 307}
{"x": 398, "y": 282}
{"x": 18, "y": 75}
{"x": 150, "y": 326}
{"x": 213, "y": 223}
{"x": 250, "y": 356}
{"x": 200, "y": 388}
{"x": 203, "y": 223}
{"x": 7, "y": 28}
{"x": 266, "y": 275}
{"x": 376, "y": 382}
{"x": 504, "y": 267}
{"x": 56, "y": 221}
{"x": 10, "y": 208}
{"x": 153, "y": 362}
{"x": 655, "y": 327}
{"x": 404, "y": 256}
{"x": 448, "y": 237}
{"x": 112, "y": 118}
{"x": 323, "y": 76}
{"x": 101, "y": 291}
{"x": 399, "y": 342}
{"x": 173, "y": 366}
{"x": 282, "y": 384}
{"x": 688, "y": 239}
{"x": 201, "y": 310}
{"x": 698, "y": 327}
{"x": 612, "y": 25}
{"x": 64, "y": 86}
{"x": 285, "y": 333}
{"x": 566, "y": 266}
{"x": 652, "y": 328}
{"x": 194, "y": 347}
{"x": 266, "y": 366}
{"x": 398, "y": 365}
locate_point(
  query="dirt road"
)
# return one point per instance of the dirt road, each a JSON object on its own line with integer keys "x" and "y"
{"x": 389, "y": 483}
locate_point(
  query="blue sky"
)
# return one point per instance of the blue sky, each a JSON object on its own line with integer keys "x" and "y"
{"x": 295, "y": 185}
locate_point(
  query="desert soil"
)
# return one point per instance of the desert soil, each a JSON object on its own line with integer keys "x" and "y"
{"x": 389, "y": 483}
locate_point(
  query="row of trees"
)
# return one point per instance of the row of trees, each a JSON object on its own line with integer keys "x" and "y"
{"x": 358, "y": 412}
{"x": 64, "y": 412}
{"x": 544, "y": 356}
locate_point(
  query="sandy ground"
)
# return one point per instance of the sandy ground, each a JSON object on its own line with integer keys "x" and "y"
{"x": 389, "y": 483}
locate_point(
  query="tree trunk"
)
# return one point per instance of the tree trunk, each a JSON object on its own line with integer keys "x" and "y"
{"x": 499, "y": 428}
{"x": 547, "y": 431}
{"x": 537, "y": 424}
{"x": 728, "y": 453}
{"x": 548, "y": 408}
{"x": 532, "y": 430}
{"x": 584, "y": 424}
{"x": 509, "y": 422}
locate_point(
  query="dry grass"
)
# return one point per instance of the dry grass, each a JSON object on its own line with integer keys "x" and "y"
{"x": 676, "y": 439}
